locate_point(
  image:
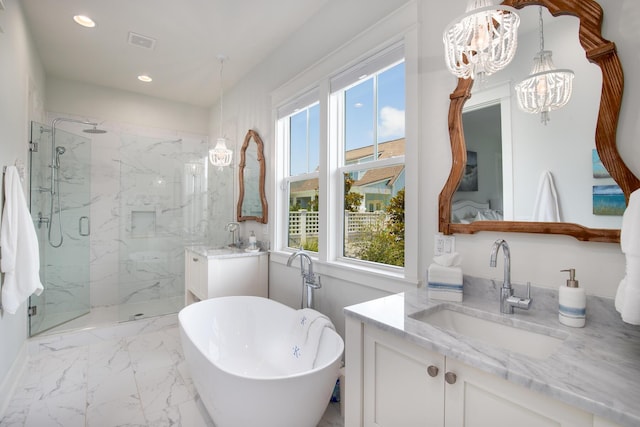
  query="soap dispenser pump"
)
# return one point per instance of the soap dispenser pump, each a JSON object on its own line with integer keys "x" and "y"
{"x": 572, "y": 302}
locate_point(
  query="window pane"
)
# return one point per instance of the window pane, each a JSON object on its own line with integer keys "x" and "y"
{"x": 383, "y": 93}
{"x": 359, "y": 107}
{"x": 391, "y": 103}
{"x": 374, "y": 215}
{"x": 305, "y": 138}
{"x": 303, "y": 214}
{"x": 314, "y": 138}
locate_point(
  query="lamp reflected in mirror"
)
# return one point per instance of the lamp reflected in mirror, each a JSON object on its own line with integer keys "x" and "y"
{"x": 547, "y": 88}
{"x": 527, "y": 149}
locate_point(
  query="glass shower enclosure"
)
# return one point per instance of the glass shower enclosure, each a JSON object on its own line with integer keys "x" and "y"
{"x": 60, "y": 196}
{"x": 113, "y": 246}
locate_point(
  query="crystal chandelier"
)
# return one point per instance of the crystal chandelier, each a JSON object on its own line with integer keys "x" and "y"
{"x": 546, "y": 88}
{"x": 482, "y": 41}
{"x": 220, "y": 156}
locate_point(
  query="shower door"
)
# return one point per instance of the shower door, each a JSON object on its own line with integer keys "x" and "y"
{"x": 60, "y": 211}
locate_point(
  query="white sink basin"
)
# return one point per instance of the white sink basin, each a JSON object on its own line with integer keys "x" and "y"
{"x": 533, "y": 344}
{"x": 222, "y": 251}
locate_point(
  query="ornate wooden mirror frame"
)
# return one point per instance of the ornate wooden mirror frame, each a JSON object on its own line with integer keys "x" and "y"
{"x": 252, "y": 135}
{"x": 601, "y": 52}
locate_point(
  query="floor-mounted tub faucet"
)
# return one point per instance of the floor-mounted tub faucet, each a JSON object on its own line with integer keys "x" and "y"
{"x": 507, "y": 300}
{"x": 310, "y": 280}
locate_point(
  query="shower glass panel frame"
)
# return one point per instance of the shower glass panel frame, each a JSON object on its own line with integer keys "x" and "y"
{"x": 64, "y": 270}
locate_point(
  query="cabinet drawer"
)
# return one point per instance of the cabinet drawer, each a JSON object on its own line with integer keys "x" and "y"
{"x": 195, "y": 274}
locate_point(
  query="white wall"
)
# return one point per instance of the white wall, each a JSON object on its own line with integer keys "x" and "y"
{"x": 21, "y": 90}
{"x": 101, "y": 103}
{"x": 535, "y": 258}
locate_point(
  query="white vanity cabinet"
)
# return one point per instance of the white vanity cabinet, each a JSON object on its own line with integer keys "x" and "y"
{"x": 479, "y": 399}
{"x": 397, "y": 389}
{"x": 392, "y": 382}
{"x": 224, "y": 274}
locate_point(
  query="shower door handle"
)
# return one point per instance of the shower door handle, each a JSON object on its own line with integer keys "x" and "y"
{"x": 84, "y": 220}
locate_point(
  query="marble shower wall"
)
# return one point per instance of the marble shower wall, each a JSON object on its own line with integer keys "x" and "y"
{"x": 156, "y": 199}
{"x": 153, "y": 193}
{"x": 148, "y": 193}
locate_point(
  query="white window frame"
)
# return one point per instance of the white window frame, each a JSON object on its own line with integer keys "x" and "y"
{"x": 329, "y": 260}
{"x": 377, "y": 64}
{"x": 284, "y": 114}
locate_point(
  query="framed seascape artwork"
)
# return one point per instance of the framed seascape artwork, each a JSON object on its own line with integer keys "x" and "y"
{"x": 608, "y": 200}
{"x": 599, "y": 171}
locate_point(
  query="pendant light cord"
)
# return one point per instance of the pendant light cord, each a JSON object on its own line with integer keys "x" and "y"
{"x": 541, "y": 29}
{"x": 221, "y": 93}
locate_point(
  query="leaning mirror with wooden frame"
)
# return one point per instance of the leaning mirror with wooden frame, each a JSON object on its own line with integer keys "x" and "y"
{"x": 252, "y": 202}
{"x": 495, "y": 182}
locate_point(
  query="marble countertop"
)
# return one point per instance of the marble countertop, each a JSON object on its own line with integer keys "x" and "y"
{"x": 226, "y": 252}
{"x": 596, "y": 368}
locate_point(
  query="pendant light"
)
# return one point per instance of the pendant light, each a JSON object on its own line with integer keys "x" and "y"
{"x": 547, "y": 88}
{"x": 482, "y": 41}
{"x": 220, "y": 156}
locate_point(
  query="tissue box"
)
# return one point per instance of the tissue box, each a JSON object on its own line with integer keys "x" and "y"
{"x": 444, "y": 283}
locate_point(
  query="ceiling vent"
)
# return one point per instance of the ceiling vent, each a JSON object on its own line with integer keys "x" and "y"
{"x": 141, "y": 41}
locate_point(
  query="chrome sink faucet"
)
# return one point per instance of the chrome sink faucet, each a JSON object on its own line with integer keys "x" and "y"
{"x": 232, "y": 227}
{"x": 507, "y": 300}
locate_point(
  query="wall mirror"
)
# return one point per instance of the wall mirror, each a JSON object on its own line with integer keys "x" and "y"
{"x": 501, "y": 154}
{"x": 252, "y": 202}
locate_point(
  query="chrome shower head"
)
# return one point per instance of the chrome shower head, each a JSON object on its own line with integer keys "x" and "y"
{"x": 60, "y": 150}
{"x": 94, "y": 130}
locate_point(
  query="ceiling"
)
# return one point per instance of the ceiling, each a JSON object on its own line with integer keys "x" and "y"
{"x": 189, "y": 36}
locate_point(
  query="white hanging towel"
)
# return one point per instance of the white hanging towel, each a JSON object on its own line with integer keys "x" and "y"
{"x": 545, "y": 208}
{"x": 628, "y": 294}
{"x": 307, "y": 328}
{"x": 20, "y": 253}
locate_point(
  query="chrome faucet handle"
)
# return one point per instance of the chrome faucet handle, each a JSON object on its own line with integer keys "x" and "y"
{"x": 312, "y": 280}
{"x": 519, "y": 302}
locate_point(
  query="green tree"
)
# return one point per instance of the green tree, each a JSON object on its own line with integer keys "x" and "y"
{"x": 352, "y": 200}
{"x": 395, "y": 211}
{"x": 314, "y": 203}
{"x": 385, "y": 239}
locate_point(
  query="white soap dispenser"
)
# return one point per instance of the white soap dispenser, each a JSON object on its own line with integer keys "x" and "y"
{"x": 572, "y": 302}
{"x": 253, "y": 244}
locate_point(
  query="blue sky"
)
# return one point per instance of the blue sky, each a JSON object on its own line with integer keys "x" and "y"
{"x": 359, "y": 105}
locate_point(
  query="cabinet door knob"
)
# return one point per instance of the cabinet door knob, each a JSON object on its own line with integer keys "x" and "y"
{"x": 433, "y": 371}
{"x": 450, "y": 377}
{"x": 195, "y": 260}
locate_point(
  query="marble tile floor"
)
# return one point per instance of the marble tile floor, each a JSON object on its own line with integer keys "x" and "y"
{"x": 109, "y": 315}
{"x": 137, "y": 380}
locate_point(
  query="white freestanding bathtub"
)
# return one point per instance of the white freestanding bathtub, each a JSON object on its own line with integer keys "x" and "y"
{"x": 237, "y": 350}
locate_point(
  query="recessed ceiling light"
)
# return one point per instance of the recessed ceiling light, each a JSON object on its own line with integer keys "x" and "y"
{"x": 145, "y": 78}
{"x": 85, "y": 21}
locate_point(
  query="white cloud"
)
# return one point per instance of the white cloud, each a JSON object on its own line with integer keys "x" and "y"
{"x": 391, "y": 123}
